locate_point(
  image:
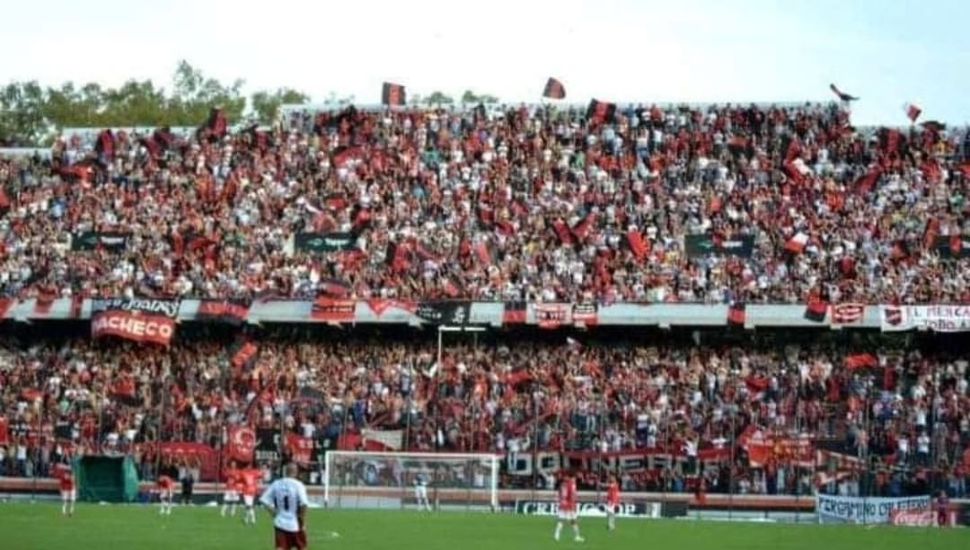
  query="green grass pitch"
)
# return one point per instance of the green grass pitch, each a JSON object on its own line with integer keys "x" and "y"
{"x": 120, "y": 527}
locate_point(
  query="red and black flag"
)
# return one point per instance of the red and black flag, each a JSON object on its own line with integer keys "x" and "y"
{"x": 398, "y": 257}
{"x": 563, "y": 232}
{"x": 217, "y": 125}
{"x": 554, "y": 89}
{"x": 231, "y": 312}
{"x": 393, "y": 95}
{"x": 637, "y": 244}
{"x": 5, "y": 201}
{"x": 601, "y": 112}
{"x": 842, "y": 95}
{"x": 867, "y": 182}
{"x": 737, "y": 315}
{"x": 244, "y": 354}
{"x": 77, "y": 304}
{"x": 912, "y": 111}
{"x": 582, "y": 228}
{"x": 335, "y": 288}
{"x": 816, "y": 310}
{"x": 514, "y": 313}
{"x": 105, "y": 146}
{"x": 485, "y": 253}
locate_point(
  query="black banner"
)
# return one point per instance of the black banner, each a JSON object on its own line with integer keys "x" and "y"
{"x": 444, "y": 313}
{"x": 588, "y": 509}
{"x": 955, "y": 247}
{"x": 92, "y": 240}
{"x": 232, "y": 312}
{"x": 325, "y": 242}
{"x": 267, "y": 444}
{"x": 148, "y": 306}
{"x": 703, "y": 245}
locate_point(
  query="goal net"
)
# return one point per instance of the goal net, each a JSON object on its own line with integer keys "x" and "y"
{"x": 391, "y": 480}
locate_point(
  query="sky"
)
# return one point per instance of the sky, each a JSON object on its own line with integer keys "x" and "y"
{"x": 887, "y": 52}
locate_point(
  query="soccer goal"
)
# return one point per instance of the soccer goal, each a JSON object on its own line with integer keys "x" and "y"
{"x": 392, "y": 480}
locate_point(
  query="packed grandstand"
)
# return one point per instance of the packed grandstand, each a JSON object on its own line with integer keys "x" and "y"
{"x": 536, "y": 223}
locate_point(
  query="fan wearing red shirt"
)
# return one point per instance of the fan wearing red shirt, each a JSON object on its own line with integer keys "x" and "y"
{"x": 250, "y": 479}
{"x": 231, "y": 495}
{"x": 65, "y": 479}
{"x": 612, "y": 502}
{"x": 568, "y": 506}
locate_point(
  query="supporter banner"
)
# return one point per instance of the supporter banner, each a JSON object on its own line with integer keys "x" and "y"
{"x": 324, "y": 242}
{"x": 703, "y": 245}
{"x": 241, "y": 444}
{"x": 763, "y": 448}
{"x": 586, "y": 315}
{"x": 267, "y": 444}
{"x": 832, "y": 509}
{"x": 934, "y": 318}
{"x": 588, "y": 509}
{"x": 382, "y": 440}
{"x": 633, "y": 462}
{"x": 847, "y": 314}
{"x": 301, "y": 448}
{"x": 206, "y": 456}
{"x": 92, "y": 240}
{"x": 231, "y": 312}
{"x": 444, "y": 313}
{"x": 333, "y": 310}
{"x": 552, "y": 316}
{"x": 139, "y": 320}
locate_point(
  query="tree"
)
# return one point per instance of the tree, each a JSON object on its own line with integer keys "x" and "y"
{"x": 438, "y": 98}
{"x": 266, "y": 105}
{"x": 469, "y": 98}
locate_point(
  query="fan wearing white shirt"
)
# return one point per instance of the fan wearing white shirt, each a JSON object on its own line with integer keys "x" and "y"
{"x": 287, "y": 501}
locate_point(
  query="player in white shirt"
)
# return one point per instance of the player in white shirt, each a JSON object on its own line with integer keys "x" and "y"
{"x": 287, "y": 501}
{"x": 421, "y": 491}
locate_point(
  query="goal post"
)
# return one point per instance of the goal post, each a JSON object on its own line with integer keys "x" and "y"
{"x": 360, "y": 479}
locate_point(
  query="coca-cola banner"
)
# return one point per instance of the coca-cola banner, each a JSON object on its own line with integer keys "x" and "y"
{"x": 136, "y": 319}
{"x": 870, "y": 510}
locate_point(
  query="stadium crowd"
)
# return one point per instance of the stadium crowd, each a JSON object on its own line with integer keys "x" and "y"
{"x": 905, "y": 413}
{"x": 523, "y": 203}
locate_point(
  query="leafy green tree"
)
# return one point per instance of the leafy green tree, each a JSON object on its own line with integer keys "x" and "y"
{"x": 438, "y": 98}
{"x": 266, "y": 105}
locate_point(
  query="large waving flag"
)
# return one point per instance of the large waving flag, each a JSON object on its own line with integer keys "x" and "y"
{"x": 554, "y": 89}
{"x": 842, "y": 95}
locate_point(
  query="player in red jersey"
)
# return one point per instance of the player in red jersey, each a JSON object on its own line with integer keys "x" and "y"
{"x": 65, "y": 479}
{"x": 231, "y": 495}
{"x": 568, "y": 507}
{"x": 250, "y": 479}
{"x": 942, "y": 510}
{"x": 166, "y": 493}
{"x": 612, "y": 502}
